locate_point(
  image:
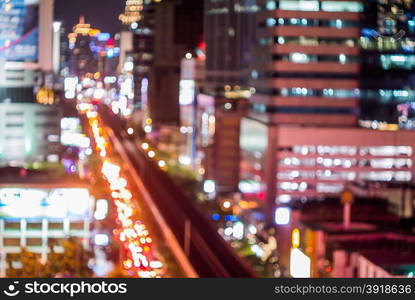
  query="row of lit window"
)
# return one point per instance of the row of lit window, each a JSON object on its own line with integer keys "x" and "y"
{"x": 303, "y": 58}
{"x": 382, "y": 163}
{"x": 343, "y": 176}
{"x": 397, "y": 61}
{"x": 315, "y": 5}
{"x": 331, "y": 188}
{"x": 383, "y": 43}
{"x": 389, "y": 95}
{"x": 307, "y": 41}
{"x": 367, "y": 43}
{"x": 303, "y": 186}
{"x": 337, "y": 23}
{"x": 353, "y": 150}
{"x": 306, "y": 92}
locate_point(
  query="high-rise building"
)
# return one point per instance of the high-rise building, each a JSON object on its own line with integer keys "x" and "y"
{"x": 306, "y": 69}
{"x": 81, "y": 56}
{"x": 163, "y": 32}
{"x": 178, "y": 29}
{"x": 138, "y": 19}
{"x": 301, "y": 139}
{"x": 30, "y": 129}
{"x": 25, "y": 46}
{"x": 387, "y": 42}
{"x": 191, "y": 82}
{"x": 50, "y": 210}
{"x": 229, "y": 37}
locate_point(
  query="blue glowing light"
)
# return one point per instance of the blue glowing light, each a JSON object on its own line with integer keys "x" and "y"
{"x": 110, "y": 53}
{"x": 103, "y": 37}
{"x": 231, "y": 218}
{"x": 216, "y": 217}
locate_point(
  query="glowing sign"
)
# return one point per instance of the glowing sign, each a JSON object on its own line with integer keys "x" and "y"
{"x": 19, "y": 30}
{"x": 282, "y": 215}
{"x": 75, "y": 203}
{"x": 300, "y": 264}
{"x": 295, "y": 238}
{"x": 103, "y": 36}
{"x": 187, "y": 92}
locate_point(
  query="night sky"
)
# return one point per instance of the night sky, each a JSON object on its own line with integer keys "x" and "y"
{"x": 101, "y": 14}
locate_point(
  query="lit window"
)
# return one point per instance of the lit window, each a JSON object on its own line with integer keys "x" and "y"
{"x": 271, "y": 22}
{"x": 282, "y": 215}
{"x": 271, "y": 5}
{"x": 389, "y": 61}
{"x": 284, "y": 198}
{"x": 342, "y": 59}
{"x": 329, "y": 187}
{"x": 340, "y": 6}
{"x": 299, "y": 58}
{"x": 377, "y": 176}
{"x": 302, "y": 5}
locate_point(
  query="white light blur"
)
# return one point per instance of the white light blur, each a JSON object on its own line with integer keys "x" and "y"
{"x": 282, "y": 215}
{"x": 300, "y": 264}
{"x": 110, "y": 79}
{"x": 238, "y": 230}
{"x": 185, "y": 160}
{"x": 147, "y": 128}
{"x": 252, "y": 229}
{"x": 34, "y": 203}
{"x": 101, "y": 239}
{"x": 99, "y": 93}
{"x": 101, "y": 209}
{"x": 145, "y": 146}
{"x": 259, "y": 252}
{"x": 186, "y": 91}
{"x": 155, "y": 264}
{"x": 128, "y": 66}
{"x": 228, "y": 231}
{"x": 209, "y": 186}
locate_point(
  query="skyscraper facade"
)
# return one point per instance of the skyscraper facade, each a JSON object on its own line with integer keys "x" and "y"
{"x": 306, "y": 69}
{"x": 301, "y": 139}
{"x": 30, "y": 129}
{"x": 387, "y": 42}
{"x": 229, "y": 35}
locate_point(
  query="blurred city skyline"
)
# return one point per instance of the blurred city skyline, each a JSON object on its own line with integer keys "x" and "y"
{"x": 102, "y": 14}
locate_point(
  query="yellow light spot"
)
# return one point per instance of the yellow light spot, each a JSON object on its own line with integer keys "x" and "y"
{"x": 295, "y": 239}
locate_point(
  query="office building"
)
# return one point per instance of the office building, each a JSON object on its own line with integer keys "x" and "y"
{"x": 301, "y": 140}
{"x": 192, "y": 74}
{"x": 30, "y": 129}
{"x": 229, "y": 38}
{"x": 306, "y": 70}
{"x": 50, "y": 210}
{"x": 81, "y": 58}
{"x": 387, "y": 42}
{"x": 163, "y": 32}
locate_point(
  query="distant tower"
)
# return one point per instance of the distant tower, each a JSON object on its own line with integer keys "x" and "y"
{"x": 132, "y": 12}
{"x": 81, "y": 56}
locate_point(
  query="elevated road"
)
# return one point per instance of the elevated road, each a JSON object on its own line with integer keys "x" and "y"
{"x": 198, "y": 247}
